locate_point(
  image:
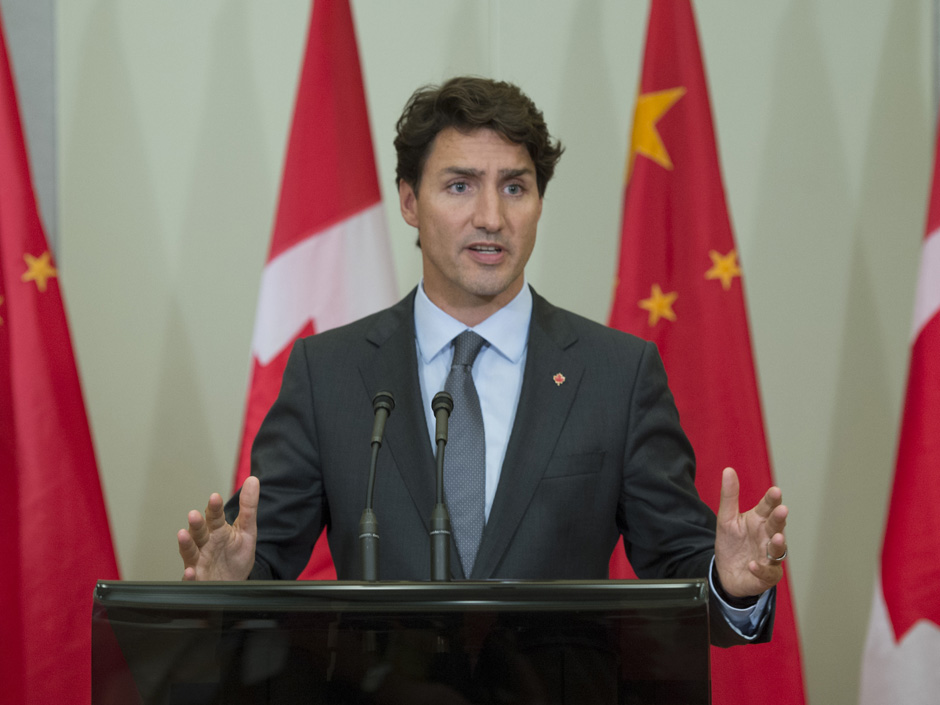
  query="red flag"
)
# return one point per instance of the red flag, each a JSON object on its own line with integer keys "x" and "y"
{"x": 329, "y": 261}
{"x": 902, "y": 653}
{"x": 56, "y": 541}
{"x": 679, "y": 285}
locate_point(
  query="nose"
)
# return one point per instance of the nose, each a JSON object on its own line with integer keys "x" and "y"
{"x": 487, "y": 212}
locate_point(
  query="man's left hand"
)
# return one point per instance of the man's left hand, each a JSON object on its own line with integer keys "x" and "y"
{"x": 749, "y": 547}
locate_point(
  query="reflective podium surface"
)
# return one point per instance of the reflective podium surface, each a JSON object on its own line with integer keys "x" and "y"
{"x": 621, "y": 642}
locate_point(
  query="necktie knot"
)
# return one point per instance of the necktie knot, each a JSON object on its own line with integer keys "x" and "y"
{"x": 467, "y": 346}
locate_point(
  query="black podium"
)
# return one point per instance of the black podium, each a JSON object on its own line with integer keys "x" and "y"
{"x": 621, "y": 642}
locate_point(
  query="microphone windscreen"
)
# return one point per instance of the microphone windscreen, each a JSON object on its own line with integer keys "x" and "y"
{"x": 383, "y": 400}
{"x": 442, "y": 401}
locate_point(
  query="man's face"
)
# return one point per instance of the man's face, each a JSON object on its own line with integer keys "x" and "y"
{"x": 476, "y": 211}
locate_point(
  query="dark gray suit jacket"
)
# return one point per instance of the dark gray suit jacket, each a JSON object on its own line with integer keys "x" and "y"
{"x": 599, "y": 456}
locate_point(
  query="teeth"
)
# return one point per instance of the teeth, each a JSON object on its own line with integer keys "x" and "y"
{"x": 487, "y": 249}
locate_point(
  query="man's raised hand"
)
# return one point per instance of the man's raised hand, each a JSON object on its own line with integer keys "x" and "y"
{"x": 213, "y": 549}
{"x": 749, "y": 547}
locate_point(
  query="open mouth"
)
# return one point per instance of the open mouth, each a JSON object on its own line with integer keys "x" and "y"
{"x": 487, "y": 249}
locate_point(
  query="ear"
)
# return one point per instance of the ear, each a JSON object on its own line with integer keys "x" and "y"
{"x": 408, "y": 200}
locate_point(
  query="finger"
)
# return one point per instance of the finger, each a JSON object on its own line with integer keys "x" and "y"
{"x": 215, "y": 516}
{"x": 730, "y": 488}
{"x": 198, "y": 530}
{"x": 777, "y": 521}
{"x": 776, "y": 548}
{"x": 769, "y": 574}
{"x": 189, "y": 552}
{"x": 769, "y": 502}
{"x": 248, "y": 505}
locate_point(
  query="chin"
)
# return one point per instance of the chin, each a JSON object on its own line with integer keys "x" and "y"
{"x": 490, "y": 289}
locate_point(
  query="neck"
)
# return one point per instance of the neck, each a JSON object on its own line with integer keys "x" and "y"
{"x": 472, "y": 310}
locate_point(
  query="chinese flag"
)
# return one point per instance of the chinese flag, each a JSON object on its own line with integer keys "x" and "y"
{"x": 55, "y": 538}
{"x": 329, "y": 261}
{"x": 902, "y": 653}
{"x": 679, "y": 285}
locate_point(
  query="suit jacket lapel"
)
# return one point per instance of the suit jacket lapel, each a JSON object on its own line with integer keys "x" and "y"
{"x": 543, "y": 408}
{"x": 395, "y": 368}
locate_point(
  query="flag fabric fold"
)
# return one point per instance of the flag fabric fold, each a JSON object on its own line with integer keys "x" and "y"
{"x": 329, "y": 261}
{"x": 680, "y": 285}
{"x": 901, "y": 663}
{"x": 56, "y": 539}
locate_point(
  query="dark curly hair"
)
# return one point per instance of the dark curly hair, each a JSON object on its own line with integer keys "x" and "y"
{"x": 470, "y": 103}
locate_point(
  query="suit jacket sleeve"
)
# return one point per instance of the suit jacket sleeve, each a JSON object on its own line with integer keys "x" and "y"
{"x": 668, "y": 530}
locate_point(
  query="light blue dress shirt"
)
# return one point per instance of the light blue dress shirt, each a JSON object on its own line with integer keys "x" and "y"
{"x": 497, "y": 370}
{"x": 497, "y": 374}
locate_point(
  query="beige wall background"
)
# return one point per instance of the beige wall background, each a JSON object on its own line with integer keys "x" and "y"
{"x": 172, "y": 123}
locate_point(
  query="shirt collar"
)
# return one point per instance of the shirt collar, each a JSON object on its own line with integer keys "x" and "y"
{"x": 507, "y": 330}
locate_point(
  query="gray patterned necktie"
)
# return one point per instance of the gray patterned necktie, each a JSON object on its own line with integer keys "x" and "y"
{"x": 465, "y": 461}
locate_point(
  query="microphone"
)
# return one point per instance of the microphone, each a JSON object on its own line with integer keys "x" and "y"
{"x": 441, "y": 405}
{"x": 382, "y": 405}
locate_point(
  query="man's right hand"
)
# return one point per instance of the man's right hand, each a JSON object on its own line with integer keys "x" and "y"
{"x": 213, "y": 549}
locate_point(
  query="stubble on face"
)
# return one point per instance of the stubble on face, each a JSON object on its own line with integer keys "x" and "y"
{"x": 477, "y": 212}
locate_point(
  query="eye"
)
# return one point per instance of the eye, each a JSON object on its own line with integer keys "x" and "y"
{"x": 458, "y": 187}
{"x": 514, "y": 189}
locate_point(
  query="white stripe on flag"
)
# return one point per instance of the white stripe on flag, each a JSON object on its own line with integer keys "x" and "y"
{"x": 905, "y": 674}
{"x": 927, "y": 300}
{"x": 333, "y": 278}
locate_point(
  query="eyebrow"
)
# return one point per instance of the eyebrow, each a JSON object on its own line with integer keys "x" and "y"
{"x": 476, "y": 173}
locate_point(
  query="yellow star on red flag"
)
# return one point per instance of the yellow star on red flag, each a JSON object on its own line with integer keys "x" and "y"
{"x": 724, "y": 267}
{"x": 659, "y": 305}
{"x": 39, "y": 269}
{"x": 650, "y": 108}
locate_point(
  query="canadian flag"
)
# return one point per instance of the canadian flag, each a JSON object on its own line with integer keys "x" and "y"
{"x": 901, "y": 663}
{"x": 329, "y": 261}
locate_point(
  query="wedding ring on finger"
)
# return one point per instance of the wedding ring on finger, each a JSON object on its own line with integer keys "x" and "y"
{"x": 777, "y": 559}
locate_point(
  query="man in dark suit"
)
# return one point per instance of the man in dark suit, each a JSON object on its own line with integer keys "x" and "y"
{"x": 582, "y": 438}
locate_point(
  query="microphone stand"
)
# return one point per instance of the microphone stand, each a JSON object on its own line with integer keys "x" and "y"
{"x": 382, "y": 405}
{"x": 441, "y": 405}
